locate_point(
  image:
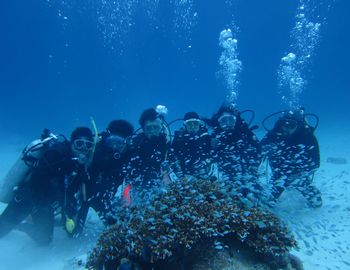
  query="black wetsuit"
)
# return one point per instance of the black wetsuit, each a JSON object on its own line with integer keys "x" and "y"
{"x": 102, "y": 179}
{"x": 147, "y": 156}
{"x": 39, "y": 195}
{"x": 293, "y": 161}
{"x": 238, "y": 155}
{"x": 193, "y": 152}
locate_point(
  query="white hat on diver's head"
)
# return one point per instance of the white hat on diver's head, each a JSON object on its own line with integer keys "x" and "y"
{"x": 162, "y": 110}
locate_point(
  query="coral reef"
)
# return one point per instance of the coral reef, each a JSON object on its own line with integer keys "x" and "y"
{"x": 175, "y": 222}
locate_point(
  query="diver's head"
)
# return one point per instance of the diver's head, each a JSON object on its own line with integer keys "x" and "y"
{"x": 290, "y": 122}
{"x": 82, "y": 145}
{"x": 227, "y": 121}
{"x": 117, "y": 133}
{"x": 192, "y": 123}
{"x": 226, "y": 116}
{"x": 151, "y": 123}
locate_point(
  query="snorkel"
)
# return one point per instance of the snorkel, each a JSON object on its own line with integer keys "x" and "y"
{"x": 167, "y": 174}
{"x": 94, "y": 127}
{"x": 93, "y": 123}
{"x": 163, "y": 111}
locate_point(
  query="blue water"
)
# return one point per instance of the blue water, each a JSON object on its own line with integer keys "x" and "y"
{"x": 58, "y": 67}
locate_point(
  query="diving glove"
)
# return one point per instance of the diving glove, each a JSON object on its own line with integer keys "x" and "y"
{"x": 70, "y": 225}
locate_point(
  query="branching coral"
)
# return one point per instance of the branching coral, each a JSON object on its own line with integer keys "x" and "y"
{"x": 184, "y": 215}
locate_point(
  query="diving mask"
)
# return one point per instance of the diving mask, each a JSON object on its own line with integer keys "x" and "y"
{"x": 83, "y": 144}
{"x": 115, "y": 142}
{"x": 82, "y": 149}
{"x": 289, "y": 126}
{"x": 153, "y": 128}
{"x": 193, "y": 125}
{"x": 227, "y": 121}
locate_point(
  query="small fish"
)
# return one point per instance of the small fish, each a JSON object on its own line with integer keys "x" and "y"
{"x": 307, "y": 244}
{"x": 151, "y": 220}
{"x": 346, "y": 263}
{"x": 309, "y": 253}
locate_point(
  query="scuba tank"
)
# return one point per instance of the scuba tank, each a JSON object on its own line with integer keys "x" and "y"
{"x": 32, "y": 156}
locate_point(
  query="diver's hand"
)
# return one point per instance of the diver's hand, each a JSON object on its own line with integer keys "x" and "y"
{"x": 165, "y": 166}
{"x": 70, "y": 225}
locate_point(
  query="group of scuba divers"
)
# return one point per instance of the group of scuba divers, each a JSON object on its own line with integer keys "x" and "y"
{"x": 86, "y": 171}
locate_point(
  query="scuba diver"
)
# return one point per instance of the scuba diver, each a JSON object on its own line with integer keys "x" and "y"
{"x": 151, "y": 158}
{"x": 236, "y": 150}
{"x": 38, "y": 193}
{"x": 105, "y": 174}
{"x": 192, "y": 146}
{"x": 293, "y": 154}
